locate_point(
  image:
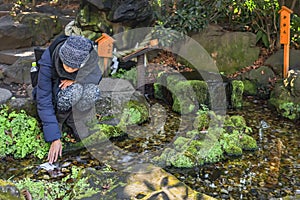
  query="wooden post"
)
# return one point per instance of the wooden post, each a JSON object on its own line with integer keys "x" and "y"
{"x": 285, "y": 16}
{"x": 105, "y": 49}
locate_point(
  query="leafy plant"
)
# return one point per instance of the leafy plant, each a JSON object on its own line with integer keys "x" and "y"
{"x": 20, "y": 135}
{"x": 70, "y": 187}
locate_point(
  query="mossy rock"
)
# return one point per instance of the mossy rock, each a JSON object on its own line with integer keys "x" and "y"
{"x": 250, "y": 88}
{"x": 9, "y": 191}
{"x": 231, "y": 144}
{"x": 282, "y": 100}
{"x": 201, "y": 121}
{"x": 101, "y": 134}
{"x": 134, "y": 113}
{"x": 188, "y": 95}
{"x": 248, "y": 143}
{"x": 237, "y": 94}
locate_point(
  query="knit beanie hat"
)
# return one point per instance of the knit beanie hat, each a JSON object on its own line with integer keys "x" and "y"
{"x": 75, "y": 51}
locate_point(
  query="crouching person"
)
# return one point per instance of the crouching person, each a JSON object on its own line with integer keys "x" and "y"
{"x": 67, "y": 89}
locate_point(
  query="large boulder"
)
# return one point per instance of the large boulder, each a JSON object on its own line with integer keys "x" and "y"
{"x": 143, "y": 182}
{"x": 42, "y": 26}
{"x": 276, "y": 61}
{"x": 232, "y": 51}
{"x": 111, "y": 17}
{"x": 258, "y": 82}
{"x": 14, "y": 35}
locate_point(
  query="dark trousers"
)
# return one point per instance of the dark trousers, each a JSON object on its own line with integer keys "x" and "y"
{"x": 77, "y": 121}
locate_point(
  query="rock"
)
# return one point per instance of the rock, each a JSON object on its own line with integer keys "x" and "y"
{"x": 9, "y": 57}
{"x": 115, "y": 94}
{"x": 276, "y": 61}
{"x": 232, "y": 51}
{"x": 43, "y": 26}
{"x": 9, "y": 191}
{"x": 19, "y": 72}
{"x": 112, "y": 17}
{"x": 140, "y": 182}
{"x": 237, "y": 94}
{"x": 14, "y": 35}
{"x": 5, "y": 95}
{"x": 101, "y": 4}
{"x": 131, "y": 12}
{"x": 259, "y": 81}
{"x": 285, "y": 97}
{"x": 27, "y": 104}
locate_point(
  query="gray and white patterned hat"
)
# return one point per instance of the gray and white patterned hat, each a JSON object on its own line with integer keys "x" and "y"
{"x": 75, "y": 51}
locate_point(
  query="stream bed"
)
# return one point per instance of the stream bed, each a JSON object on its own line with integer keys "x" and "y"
{"x": 271, "y": 172}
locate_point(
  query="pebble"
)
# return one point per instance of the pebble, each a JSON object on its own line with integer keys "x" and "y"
{"x": 224, "y": 191}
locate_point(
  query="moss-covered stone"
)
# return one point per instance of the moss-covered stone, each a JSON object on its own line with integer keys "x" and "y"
{"x": 134, "y": 112}
{"x": 250, "y": 88}
{"x": 188, "y": 95}
{"x": 201, "y": 121}
{"x": 237, "y": 94}
{"x": 231, "y": 144}
{"x": 284, "y": 103}
{"x": 248, "y": 143}
{"x": 9, "y": 191}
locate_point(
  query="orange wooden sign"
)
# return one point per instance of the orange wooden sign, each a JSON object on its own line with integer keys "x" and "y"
{"x": 105, "y": 45}
{"x": 285, "y": 16}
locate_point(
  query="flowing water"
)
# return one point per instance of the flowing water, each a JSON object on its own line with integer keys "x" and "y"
{"x": 273, "y": 171}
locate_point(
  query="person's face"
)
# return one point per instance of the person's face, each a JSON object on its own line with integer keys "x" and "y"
{"x": 70, "y": 69}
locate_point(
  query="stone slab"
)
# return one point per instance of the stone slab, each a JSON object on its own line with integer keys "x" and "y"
{"x": 9, "y": 57}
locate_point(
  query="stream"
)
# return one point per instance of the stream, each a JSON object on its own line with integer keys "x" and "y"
{"x": 250, "y": 176}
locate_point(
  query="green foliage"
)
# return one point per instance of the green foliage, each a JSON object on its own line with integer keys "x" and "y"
{"x": 129, "y": 75}
{"x": 295, "y": 31}
{"x": 258, "y": 16}
{"x": 20, "y": 135}
{"x": 70, "y": 187}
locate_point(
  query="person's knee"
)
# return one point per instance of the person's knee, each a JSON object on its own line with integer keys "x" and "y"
{"x": 91, "y": 93}
{"x": 69, "y": 97}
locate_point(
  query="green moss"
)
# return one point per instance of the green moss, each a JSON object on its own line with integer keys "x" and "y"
{"x": 134, "y": 112}
{"x": 70, "y": 187}
{"x": 188, "y": 95}
{"x": 201, "y": 122}
{"x": 289, "y": 110}
{"x": 182, "y": 161}
{"x": 250, "y": 88}
{"x": 237, "y": 94}
{"x": 158, "y": 93}
{"x": 233, "y": 150}
{"x": 181, "y": 143}
{"x": 231, "y": 143}
{"x": 8, "y": 196}
{"x": 248, "y": 143}
{"x": 213, "y": 153}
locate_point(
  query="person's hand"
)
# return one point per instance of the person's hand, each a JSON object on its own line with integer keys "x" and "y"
{"x": 65, "y": 83}
{"x": 55, "y": 151}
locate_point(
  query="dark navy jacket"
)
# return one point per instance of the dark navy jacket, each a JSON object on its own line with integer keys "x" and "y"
{"x": 50, "y": 74}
